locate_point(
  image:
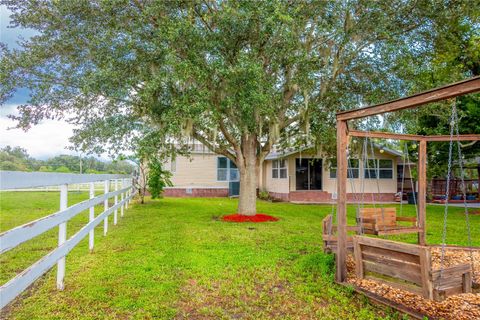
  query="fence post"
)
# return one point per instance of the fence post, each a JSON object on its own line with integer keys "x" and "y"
{"x": 122, "y": 197}
{"x": 116, "y": 201}
{"x": 105, "y": 221}
{"x": 91, "y": 235}
{"x": 126, "y": 195}
{"x": 62, "y": 237}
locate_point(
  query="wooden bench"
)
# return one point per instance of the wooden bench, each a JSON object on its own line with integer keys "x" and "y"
{"x": 384, "y": 221}
{"x": 408, "y": 267}
{"x": 329, "y": 236}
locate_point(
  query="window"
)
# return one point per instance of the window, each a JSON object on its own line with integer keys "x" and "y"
{"x": 385, "y": 169}
{"x": 381, "y": 168}
{"x": 352, "y": 172}
{"x": 279, "y": 169}
{"x": 173, "y": 165}
{"x": 226, "y": 170}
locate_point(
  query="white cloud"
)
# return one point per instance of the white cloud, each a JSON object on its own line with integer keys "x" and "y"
{"x": 44, "y": 140}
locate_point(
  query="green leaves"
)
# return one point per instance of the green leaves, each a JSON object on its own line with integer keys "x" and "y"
{"x": 122, "y": 70}
{"x": 158, "y": 178}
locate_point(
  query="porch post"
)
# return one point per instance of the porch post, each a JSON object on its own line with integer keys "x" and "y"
{"x": 341, "y": 272}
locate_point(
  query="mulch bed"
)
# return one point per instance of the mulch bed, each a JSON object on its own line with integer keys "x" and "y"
{"x": 459, "y": 307}
{"x": 259, "y": 217}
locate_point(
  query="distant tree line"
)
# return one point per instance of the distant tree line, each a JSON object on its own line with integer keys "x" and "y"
{"x": 17, "y": 159}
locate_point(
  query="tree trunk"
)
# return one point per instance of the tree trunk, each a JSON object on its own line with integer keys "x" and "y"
{"x": 248, "y": 168}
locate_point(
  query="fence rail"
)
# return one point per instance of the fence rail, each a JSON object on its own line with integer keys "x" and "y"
{"x": 10, "y": 239}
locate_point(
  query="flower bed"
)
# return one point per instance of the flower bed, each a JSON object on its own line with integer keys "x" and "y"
{"x": 259, "y": 217}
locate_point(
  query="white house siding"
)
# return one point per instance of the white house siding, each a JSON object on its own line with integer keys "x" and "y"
{"x": 199, "y": 171}
{"x": 276, "y": 185}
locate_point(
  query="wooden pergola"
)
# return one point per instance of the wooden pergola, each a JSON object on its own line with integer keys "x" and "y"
{"x": 343, "y": 133}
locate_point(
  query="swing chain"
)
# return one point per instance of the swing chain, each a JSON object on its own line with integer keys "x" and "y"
{"x": 447, "y": 192}
{"x": 464, "y": 193}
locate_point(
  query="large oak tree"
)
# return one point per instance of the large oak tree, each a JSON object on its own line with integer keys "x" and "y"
{"x": 238, "y": 76}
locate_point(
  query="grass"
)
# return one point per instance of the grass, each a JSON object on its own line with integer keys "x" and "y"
{"x": 175, "y": 258}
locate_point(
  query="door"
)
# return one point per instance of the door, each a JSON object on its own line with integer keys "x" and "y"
{"x": 308, "y": 174}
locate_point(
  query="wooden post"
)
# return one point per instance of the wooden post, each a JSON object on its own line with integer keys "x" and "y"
{"x": 357, "y": 252}
{"x": 116, "y": 201}
{"x": 341, "y": 274}
{"x": 105, "y": 203}
{"x": 425, "y": 267}
{"x": 422, "y": 191}
{"x": 62, "y": 237}
{"x": 91, "y": 235}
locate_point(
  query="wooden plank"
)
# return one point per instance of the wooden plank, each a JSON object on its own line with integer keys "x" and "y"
{"x": 409, "y": 219}
{"x": 442, "y": 294}
{"x": 403, "y": 286}
{"x": 437, "y": 94}
{"x": 15, "y": 286}
{"x": 462, "y": 137}
{"x": 393, "y": 255}
{"x": 467, "y": 282}
{"x": 411, "y": 137}
{"x": 390, "y": 245}
{"x": 450, "y": 282}
{"x": 384, "y": 135}
{"x": 21, "y": 180}
{"x": 422, "y": 191}
{"x": 342, "y": 144}
{"x": 459, "y": 270}
{"x": 329, "y": 237}
{"x": 391, "y": 261}
{"x": 399, "y": 230}
{"x": 13, "y": 237}
{"x": 425, "y": 266}
{"x": 402, "y": 272}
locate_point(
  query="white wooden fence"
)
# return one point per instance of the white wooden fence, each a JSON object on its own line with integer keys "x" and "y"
{"x": 11, "y": 180}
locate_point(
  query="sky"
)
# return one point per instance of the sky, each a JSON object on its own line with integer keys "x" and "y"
{"x": 47, "y": 139}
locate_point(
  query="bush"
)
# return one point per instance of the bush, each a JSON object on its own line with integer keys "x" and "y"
{"x": 158, "y": 178}
{"x": 264, "y": 195}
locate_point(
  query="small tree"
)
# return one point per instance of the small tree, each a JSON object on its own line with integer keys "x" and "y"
{"x": 158, "y": 178}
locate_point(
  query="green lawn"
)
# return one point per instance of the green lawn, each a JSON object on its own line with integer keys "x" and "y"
{"x": 174, "y": 258}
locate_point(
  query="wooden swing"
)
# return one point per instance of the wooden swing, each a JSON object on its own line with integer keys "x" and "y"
{"x": 401, "y": 265}
{"x": 408, "y": 267}
{"x": 329, "y": 235}
{"x": 384, "y": 221}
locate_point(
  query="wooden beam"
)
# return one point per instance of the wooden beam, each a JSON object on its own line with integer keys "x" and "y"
{"x": 384, "y": 135}
{"x": 341, "y": 258}
{"x": 463, "y": 137}
{"x": 412, "y": 137}
{"x": 442, "y": 93}
{"x": 422, "y": 191}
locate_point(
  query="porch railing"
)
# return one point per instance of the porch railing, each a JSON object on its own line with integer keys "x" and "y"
{"x": 12, "y": 180}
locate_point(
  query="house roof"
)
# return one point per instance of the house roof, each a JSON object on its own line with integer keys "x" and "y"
{"x": 282, "y": 154}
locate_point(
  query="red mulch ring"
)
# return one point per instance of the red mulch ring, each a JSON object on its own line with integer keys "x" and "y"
{"x": 259, "y": 217}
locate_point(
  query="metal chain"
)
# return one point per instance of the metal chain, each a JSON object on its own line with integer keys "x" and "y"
{"x": 377, "y": 180}
{"x": 447, "y": 193}
{"x": 405, "y": 149}
{"x": 464, "y": 192}
{"x": 412, "y": 185}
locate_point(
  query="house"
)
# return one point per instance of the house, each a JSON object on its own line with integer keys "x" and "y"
{"x": 296, "y": 176}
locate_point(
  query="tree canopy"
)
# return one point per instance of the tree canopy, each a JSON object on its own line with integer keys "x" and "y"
{"x": 239, "y": 76}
